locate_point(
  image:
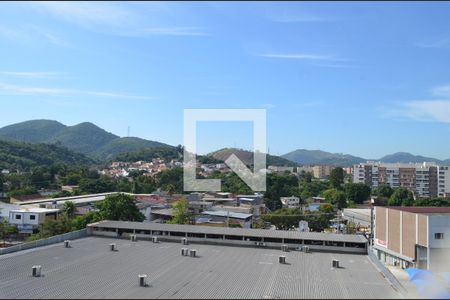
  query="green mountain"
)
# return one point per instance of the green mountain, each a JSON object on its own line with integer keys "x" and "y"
{"x": 404, "y": 157}
{"x": 317, "y": 157}
{"x": 126, "y": 144}
{"x": 23, "y": 156}
{"x": 86, "y": 138}
{"x": 247, "y": 157}
{"x": 35, "y": 131}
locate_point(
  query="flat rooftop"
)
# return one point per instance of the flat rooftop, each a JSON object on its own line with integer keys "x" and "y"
{"x": 291, "y": 234}
{"x": 89, "y": 270}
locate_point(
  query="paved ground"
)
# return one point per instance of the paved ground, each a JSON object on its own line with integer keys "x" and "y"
{"x": 90, "y": 270}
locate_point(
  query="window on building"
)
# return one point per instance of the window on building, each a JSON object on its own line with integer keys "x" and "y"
{"x": 438, "y": 236}
{"x": 18, "y": 217}
{"x": 32, "y": 217}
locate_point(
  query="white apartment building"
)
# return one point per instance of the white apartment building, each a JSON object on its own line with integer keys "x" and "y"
{"x": 424, "y": 180}
{"x": 444, "y": 181}
{"x": 290, "y": 202}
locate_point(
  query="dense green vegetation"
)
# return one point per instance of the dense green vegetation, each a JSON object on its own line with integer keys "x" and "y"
{"x": 147, "y": 154}
{"x": 125, "y": 145}
{"x": 6, "y": 230}
{"x": 19, "y": 156}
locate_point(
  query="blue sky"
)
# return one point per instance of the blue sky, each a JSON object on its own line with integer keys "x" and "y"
{"x": 366, "y": 79}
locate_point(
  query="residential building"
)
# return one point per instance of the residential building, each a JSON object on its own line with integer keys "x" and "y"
{"x": 28, "y": 219}
{"x": 290, "y": 202}
{"x": 444, "y": 181}
{"x": 229, "y": 217}
{"x": 424, "y": 180}
{"x": 322, "y": 171}
{"x": 281, "y": 169}
{"x": 413, "y": 236}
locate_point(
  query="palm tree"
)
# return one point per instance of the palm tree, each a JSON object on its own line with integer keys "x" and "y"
{"x": 69, "y": 209}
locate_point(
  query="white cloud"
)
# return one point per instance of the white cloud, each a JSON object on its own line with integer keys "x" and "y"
{"x": 31, "y": 75}
{"x": 426, "y": 110}
{"x": 10, "y": 89}
{"x": 441, "y": 43}
{"x": 431, "y": 110}
{"x": 302, "y": 56}
{"x": 32, "y": 34}
{"x": 298, "y": 18}
{"x": 116, "y": 19}
{"x": 441, "y": 91}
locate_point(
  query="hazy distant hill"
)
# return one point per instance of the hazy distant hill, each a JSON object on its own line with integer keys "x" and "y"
{"x": 404, "y": 157}
{"x": 247, "y": 157}
{"x": 23, "y": 156}
{"x": 315, "y": 157}
{"x": 86, "y": 138}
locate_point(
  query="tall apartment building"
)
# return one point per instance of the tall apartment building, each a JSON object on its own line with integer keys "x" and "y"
{"x": 424, "y": 180}
{"x": 322, "y": 171}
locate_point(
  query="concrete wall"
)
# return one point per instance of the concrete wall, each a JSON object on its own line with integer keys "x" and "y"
{"x": 44, "y": 242}
{"x": 394, "y": 230}
{"x": 408, "y": 234}
{"x": 439, "y": 224}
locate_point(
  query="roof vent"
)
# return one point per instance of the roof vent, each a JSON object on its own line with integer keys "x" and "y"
{"x": 143, "y": 280}
{"x": 282, "y": 259}
{"x": 36, "y": 271}
{"x": 335, "y": 263}
{"x": 112, "y": 247}
{"x": 184, "y": 241}
{"x": 67, "y": 243}
{"x": 284, "y": 248}
{"x": 184, "y": 251}
{"x": 154, "y": 239}
{"x": 133, "y": 238}
{"x": 193, "y": 253}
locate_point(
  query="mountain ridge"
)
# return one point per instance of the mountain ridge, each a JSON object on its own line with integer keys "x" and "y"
{"x": 86, "y": 138}
{"x": 97, "y": 143}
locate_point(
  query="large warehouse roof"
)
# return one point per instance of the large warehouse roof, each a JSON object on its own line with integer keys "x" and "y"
{"x": 334, "y": 237}
{"x": 90, "y": 270}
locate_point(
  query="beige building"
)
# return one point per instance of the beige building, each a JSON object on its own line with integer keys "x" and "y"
{"x": 413, "y": 236}
{"x": 322, "y": 171}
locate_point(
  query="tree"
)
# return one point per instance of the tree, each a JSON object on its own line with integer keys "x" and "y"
{"x": 383, "y": 190}
{"x": 280, "y": 185}
{"x": 80, "y": 222}
{"x": 357, "y": 192}
{"x": 401, "y": 197}
{"x": 119, "y": 207}
{"x": 336, "y": 178}
{"x": 181, "y": 215}
{"x": 335, "y": 197}
{"x": 432, "y": 202}
{"x": 6, "y": 230}
{"x": 69, "y": 209}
